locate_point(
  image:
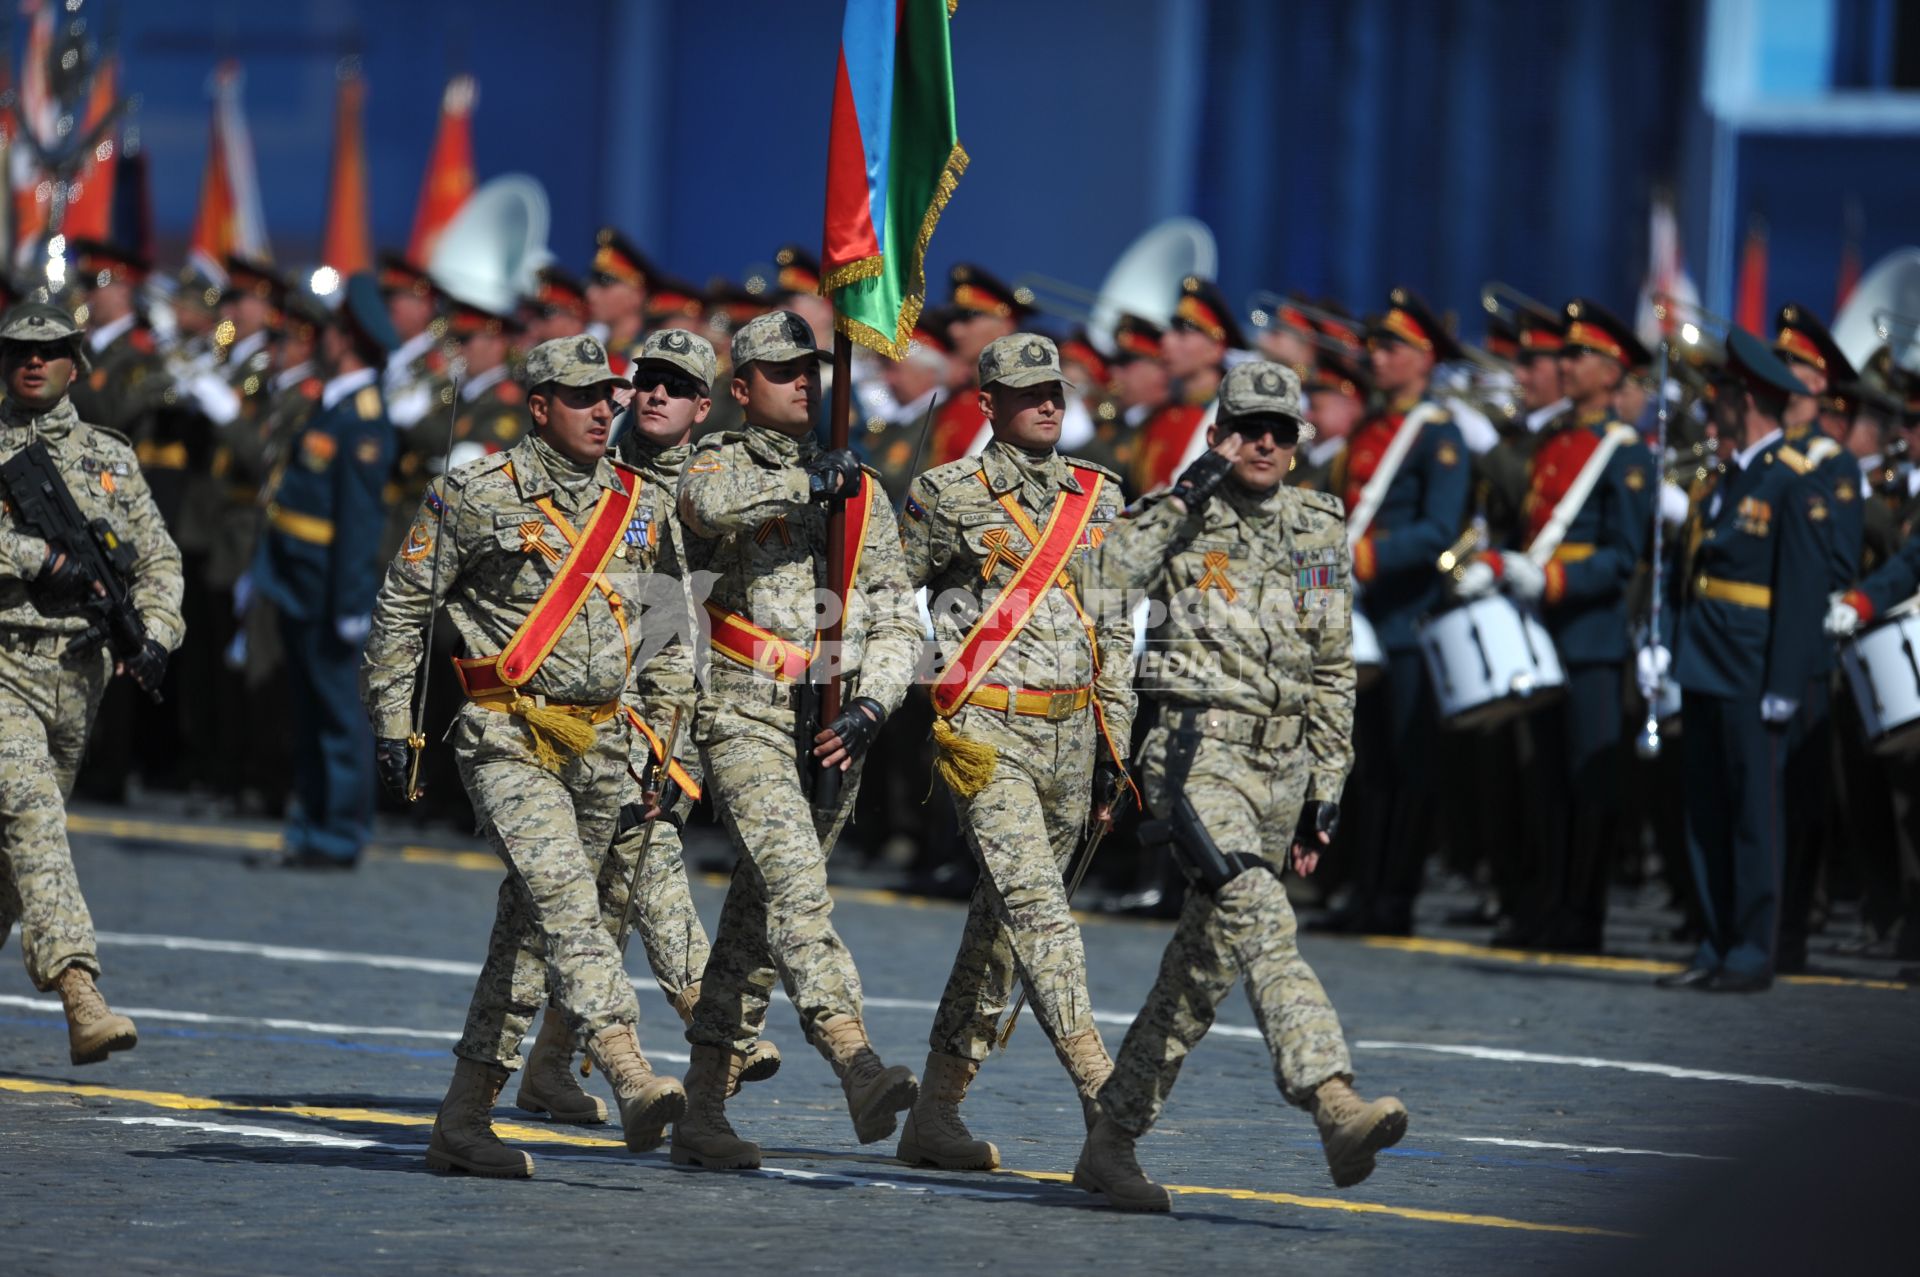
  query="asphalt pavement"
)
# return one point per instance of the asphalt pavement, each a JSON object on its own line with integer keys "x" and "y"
{"x": 295, "y": 1027}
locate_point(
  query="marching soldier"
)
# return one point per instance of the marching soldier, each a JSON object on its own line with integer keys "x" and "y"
{"x": 557, "y": 308}
{"x": 416, "y": 387}
{"x": 1746, "y": 641}
{"x": 50, "y": 683}
{"x": 1404, "y": 480}
{"x": 1337, "y": 394}
{"x": 755, "y": 507}
{"x": 1244, "y": 765}
{"x": 671, "y": 380}
{"x": 1586, "y": 518}
{"x": 538, "y": 550}
{"x": 1035, "y": 709}
{"x": 1194, "y": 349}
{"x": 984, "y": 309}
{"x": 1818, "y": 364}
{"x": 1141, "y": 389}
{"x": 617, "y": 285}
{"x": 318, "y": 563}
{"x": 120, "y": 392}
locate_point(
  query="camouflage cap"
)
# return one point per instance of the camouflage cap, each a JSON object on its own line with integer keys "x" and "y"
{"x": 570, "y": 361}
{"x": 773, "y": 338}
{"x": 689, "y": 352}
{"x": 1260, "y": 388}
{"x": 1021, "y": 359}
{"x": 44, "y": 322}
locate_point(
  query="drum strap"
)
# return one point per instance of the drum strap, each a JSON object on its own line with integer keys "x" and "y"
{"x": 1543, "y": 546}
{"x": 1375, "y": 492}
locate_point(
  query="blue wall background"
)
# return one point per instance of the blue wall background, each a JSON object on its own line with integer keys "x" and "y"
{"x": 1336, "y": 146}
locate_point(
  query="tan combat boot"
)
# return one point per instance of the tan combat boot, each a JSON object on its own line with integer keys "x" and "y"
{"x": 763, "y": 1057}
{"x": 1086, "y": 1058}
{"x": 548, "y": 1084}
{"x": 93, "y": 1030}
{"x": 1107, "y": 1165}
{"x": 463, "y": 1138}
{"x": 1352, "y": 1130}
{"x": 648, "y": 1102}
{"x": 875, "y": 1093}
{"x": 703, "y": 1137}
{"x": 934, "y": 1134}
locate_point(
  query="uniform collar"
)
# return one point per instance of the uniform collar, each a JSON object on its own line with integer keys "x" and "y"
{"x": 293, "y": 376}
{"x": 1007, "y": 468}
{"x": 1248, "y": 506}
{"x": 1321, "y": 451}
{"x": 1747, "y": 456}
{"x": 534, "y": 463}
{"x": 658, "y": 461}
{"x": 481, "y": 382}
{"x": 345, "y": 384}
{"x": 1539, "y": 417}
{"x": 55, "y": 423}
{"x": 246, "y": 348}
{"x": 778, "y": 448}
{"x": 411, "y": 349}
{"x": 106, "y": 334}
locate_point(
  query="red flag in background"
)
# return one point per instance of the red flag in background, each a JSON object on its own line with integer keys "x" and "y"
{"x": 1750, "y": 294}
{"x": 449, "y": 177}
{"x": 348, "y": 246}
{"x": 229, "y": 220}
{"x": 1849, "y": 256}
{"x": 38, "y": 109}
{"x": 90, "y": 196}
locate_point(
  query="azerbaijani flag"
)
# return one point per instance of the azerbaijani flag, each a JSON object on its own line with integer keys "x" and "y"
{"x": 893, "y": 160}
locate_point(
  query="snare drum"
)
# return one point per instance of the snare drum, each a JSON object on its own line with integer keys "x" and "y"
{"x": 1489, "y": 662}
{"x": 1369, "y": 662}
{"x": 1883, "y": 668}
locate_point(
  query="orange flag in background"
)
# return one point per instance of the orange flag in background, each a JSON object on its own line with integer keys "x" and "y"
{"x": 449, "y": 178}
{"x": 1750, "y": 294}
{"x": 90, "y": 197}
{"x": 348, "y": 246}
{"x": 229, "y": 220}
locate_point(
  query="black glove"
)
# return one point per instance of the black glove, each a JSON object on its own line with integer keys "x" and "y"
{"x": 392, "y": 759}
{"x": 858, "y": 723}
{"x": 148, "y": 665}
{"x": 1199, "y": 481}
{"x": 833, "y": 475}
{"x": 1317, "y": 818}
{"x": 64, "y": 580}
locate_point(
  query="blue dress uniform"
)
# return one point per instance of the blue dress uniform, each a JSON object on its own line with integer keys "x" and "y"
{"x": 1806, "y": 346}
{"x": 319, "y": 562}
{"x": 1574, "y": 795}
{"x": 1395, "y": 562}
{"x": 1747, "y": 639}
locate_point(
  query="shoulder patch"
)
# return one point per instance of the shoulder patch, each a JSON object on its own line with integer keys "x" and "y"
{"x": 1624, "y": 432}
{"x": 1794, "y": 460}
{"x": 367, "y": 403}
{"x": 1077, "y": 463}
{"x": 109, "y": 440}
{"x": 914, "y": 510}
{"x": 465, "y": 473}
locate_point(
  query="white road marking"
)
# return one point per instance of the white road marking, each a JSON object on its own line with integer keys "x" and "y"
{"x": 1510, "y": 1056}
{"x": 543, "y": 1153}
{"x": 1581, "y": 1148}
{"x": 443, "y": 966}
{"x": 285, "y": 1025}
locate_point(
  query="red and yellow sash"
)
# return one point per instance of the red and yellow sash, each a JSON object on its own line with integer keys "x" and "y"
{"x": 740, "y": 640}
{"x": 578, "y": 575}
{"x": 688, "y": 785}
{"x": 1002, "y": 622}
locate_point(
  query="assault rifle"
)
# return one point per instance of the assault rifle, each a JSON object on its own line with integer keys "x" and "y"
{"x": 43, "y": 506}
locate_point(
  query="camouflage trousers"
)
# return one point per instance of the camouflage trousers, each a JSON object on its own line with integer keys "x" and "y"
{"x": 663, "y": 915}
{"x": 1023, "y": 828}
{"x": 46, "y": 707}
{"x": 552, "y": 831}
{"x": 1249, "y": 800}
{"x": 778, "y": 918}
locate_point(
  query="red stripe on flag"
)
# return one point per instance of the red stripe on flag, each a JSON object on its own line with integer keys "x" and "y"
{"x": 850, "y": 233}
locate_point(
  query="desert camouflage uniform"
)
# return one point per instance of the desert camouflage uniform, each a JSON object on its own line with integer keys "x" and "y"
{"x": 48, "y": 694}
{"x": 1252, "y": 670}
{"x": 551, "y": 828}
{"x": 961, "y": 542}
{"x": 745, "y": 501}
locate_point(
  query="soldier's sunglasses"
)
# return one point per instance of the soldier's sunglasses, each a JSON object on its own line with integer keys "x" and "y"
{"x": 1283, "y": 430}
{"x": 677, "y": 385}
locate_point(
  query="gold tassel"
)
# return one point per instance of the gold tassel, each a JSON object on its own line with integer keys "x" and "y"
{"x": 557, "y": 735}
{"x": 966, "y": 765}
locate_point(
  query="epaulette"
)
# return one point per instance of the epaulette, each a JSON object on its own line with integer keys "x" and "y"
{"x": 1794, "y": 460}
{"x": 1325, "y": 502}
{"x": 509, "y": 392}
{"x": 465, "y": 473}
{"x": 1079, "y": 464}
{"x": 367, "y": 403}
{"x": 110, "y": 435}
{"x": 952, "y": 472}
{"x": 1624, "y": 432}
{"x": 1822, "y": 450}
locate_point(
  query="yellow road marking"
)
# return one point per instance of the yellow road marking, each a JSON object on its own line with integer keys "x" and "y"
{"x": 1590, "y": 961}
{"x": 549, "y": 1135}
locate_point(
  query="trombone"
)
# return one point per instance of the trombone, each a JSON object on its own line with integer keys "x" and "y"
{"x": 1263, "y": 310}
{"x": 1701, "y": 331}
{"x": 1506, "y": 301}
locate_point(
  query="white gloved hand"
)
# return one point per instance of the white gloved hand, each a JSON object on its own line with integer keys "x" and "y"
{"x": 1776, "y": 711}
{"x": 1650, "y": 666}
{"x": 1476, "y": 580}
{"x": 1523, "y": 576}
{"x": 1842, "y": 619}
{"x": 353, "y": 630}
